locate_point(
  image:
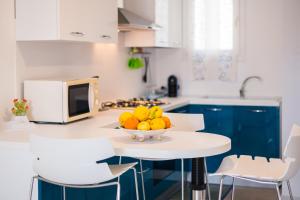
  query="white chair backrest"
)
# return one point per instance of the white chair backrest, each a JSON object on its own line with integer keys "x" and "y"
{"x": 71, "y": 161}
{"x": 186, "y": 122}
{"x": 292, "y": 153}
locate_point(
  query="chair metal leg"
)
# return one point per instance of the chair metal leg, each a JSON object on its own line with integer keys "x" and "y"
{"x": 221, "y": 187}
{"x": 290, "y": 190}
{"x": 233, "y": 188}
{"x": 278, "y": 192}
{"x": 64, "y": 193}
{"x": 118, "y": 191}
{"x": 31, "y": 188}
{"x": 206, "y": 179}
{"x": 120, "y": 162}
{"x": 136, "y": 184}
{"x": 142, "y": 177}
{"x": 182, "y": 179}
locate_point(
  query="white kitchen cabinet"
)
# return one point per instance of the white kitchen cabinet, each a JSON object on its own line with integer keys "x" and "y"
{"x": 69, "y": 20}
{"x": 165, "y": 13}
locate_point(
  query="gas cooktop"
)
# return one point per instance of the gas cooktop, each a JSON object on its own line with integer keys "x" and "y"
{"x": 133, "y": 103}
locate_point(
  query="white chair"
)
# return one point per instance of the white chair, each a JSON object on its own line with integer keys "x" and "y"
{"x": 181, "y": 122}
{"x": 188, "y": 122}
{"x": 260, "y": 170}
{"x": 76, "y": 163}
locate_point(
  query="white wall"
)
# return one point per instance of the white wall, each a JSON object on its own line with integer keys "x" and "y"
{"x": 61, "y": 59}
{"x": 7, "y": 55}
{"x": 272, "y": 51}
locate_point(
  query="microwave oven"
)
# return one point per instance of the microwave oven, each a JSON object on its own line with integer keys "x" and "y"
{"x": 61, "y": 101}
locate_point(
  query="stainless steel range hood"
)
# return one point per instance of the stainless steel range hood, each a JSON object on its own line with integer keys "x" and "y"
{"x": 129, "y": 21}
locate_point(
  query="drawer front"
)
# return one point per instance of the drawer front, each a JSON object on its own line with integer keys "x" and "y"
{"x": 258, "y": 131}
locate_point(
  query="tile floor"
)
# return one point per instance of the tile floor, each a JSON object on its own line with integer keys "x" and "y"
{"x": 242, "y": 193}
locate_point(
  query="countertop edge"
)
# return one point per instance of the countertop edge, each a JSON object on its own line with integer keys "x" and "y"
{"x": 181, "y": 101}
{"x": 9, "y": 139}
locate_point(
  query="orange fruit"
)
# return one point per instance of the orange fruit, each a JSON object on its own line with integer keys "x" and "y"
{"x": 123, "y": 117}
{"x": 131, "y": 123}
{"x": 167, "y": 122}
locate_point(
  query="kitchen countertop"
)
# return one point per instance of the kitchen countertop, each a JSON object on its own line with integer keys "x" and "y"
{"x": 105, "y": 118}
{"x": 171, "y": 147}
{"x": 219, "y": 100}
{"x": 101, "y": 119}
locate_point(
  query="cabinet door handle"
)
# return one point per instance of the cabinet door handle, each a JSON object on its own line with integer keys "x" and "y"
{"x": 258, "y": 111}
{"x": 214, "y": 109}
{"x": 106, "y": 36}
{"x": 77, "y": 34}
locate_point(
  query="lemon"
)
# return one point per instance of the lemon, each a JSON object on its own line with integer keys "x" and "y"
{"x": 155, "y": 112}
{"x": 123, "y": 117}
{"x": 143, "y": 126}
{"x": 141, "y": 113}
{"x": 157, "y": 124}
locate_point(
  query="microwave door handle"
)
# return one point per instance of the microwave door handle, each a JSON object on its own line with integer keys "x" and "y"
{"x": 91, "y": 97}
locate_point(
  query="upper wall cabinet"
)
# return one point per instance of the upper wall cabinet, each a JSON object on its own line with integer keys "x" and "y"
{"x": 165, "y": 13}
{"x": 67, "y": 20}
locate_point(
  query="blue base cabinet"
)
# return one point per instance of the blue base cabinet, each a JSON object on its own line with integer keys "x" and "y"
{"x": 253, "y": 130}
{"x": 258, "y": 131}
{"x": 53, "y": 192}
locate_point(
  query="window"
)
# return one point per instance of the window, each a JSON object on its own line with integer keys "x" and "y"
{"x": 213, "y": 24}
{"x": 214, "y": 38}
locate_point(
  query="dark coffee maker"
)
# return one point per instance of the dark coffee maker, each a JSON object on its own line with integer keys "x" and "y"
{"x": 173, "y": 86}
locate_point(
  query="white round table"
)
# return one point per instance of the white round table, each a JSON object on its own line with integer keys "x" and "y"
{"x": 177, "y": 145}
{"x": 174, "y": 145}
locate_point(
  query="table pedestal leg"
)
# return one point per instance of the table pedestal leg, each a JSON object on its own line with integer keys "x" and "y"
{"x": 198, "y": 179}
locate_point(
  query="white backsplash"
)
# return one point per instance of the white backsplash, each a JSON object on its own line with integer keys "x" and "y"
{"x": 59, "y": 59}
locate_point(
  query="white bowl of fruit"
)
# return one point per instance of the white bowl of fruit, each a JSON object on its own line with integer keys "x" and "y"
{"x": 144, "y": 123}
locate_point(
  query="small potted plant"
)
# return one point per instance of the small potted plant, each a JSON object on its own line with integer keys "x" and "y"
{"x": 20, "y": 110}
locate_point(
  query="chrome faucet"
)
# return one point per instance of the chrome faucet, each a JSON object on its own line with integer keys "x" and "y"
{"x": 242, "y": 90}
